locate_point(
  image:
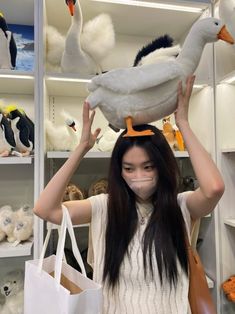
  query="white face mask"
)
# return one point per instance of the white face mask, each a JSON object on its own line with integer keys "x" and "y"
{"x": 143, "y": 187}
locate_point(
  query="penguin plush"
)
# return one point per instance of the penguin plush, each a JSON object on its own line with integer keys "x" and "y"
{"x": 8, "y": 48}
{"x": 7, "y": 140}
{"x": 21, "y": 129}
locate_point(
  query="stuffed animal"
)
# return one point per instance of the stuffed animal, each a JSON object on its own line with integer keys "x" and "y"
{"x": 229, "y": 288}
{"x": 106, "y": 142}
{"x": 159, "y": 49}
{"x": 169, "y": 132}
{"x": 12, "y": 287}
{"x": 73, "y": 192}
{"x": 63, "y": 137}
{"x": 137, "y": 95}
{"x": 7, "y": 140}
{"x": 23, "y": 229}
{"x": 84, "y": 46}
{"x": 98, "y": 187}
{"x": 7, "y": 222}
{"x": 8, "y": 49}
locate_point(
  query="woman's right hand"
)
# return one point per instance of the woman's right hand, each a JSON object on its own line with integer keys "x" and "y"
{"x": 87, "y": 137}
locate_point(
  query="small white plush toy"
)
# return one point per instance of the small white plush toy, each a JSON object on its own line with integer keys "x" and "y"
{"x": 106, "y": 142}
{"x": 12, "y": 287}
{"x": 7, "y": 222}
{"x": 23, "y": 229}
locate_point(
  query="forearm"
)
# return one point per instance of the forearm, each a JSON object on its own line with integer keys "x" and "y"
{"x": 51, "y": 197}
{"x": 207, "y": 173}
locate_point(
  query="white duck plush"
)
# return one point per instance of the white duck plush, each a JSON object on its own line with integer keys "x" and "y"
{"x": 137, "y": 95}
{"x": 227, "y": 15}
{"x": 62, "y": 137}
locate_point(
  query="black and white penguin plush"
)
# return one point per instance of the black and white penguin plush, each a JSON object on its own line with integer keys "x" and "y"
{"x": 158, "y": 49}
{"x": 8, "y": 48}
{"x": 21, "y": 128}
{"x": 7, "y": 140}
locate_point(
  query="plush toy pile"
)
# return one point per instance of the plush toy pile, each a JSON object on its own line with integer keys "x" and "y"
{"x": 16, "y": 226}
{"x": 12, "y": 288}
{"x": 73, "y": 192}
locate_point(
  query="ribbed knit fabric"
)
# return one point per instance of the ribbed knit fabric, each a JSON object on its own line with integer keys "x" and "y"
{"x": 135, "y": 294}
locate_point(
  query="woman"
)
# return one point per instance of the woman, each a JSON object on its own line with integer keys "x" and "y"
{"x": 138, "y": 229}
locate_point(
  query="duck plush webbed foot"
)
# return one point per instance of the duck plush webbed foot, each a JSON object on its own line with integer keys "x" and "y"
{"x": 131, "y": 132}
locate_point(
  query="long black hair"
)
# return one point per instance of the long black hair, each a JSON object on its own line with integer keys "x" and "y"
{"x": 165, "y": 231}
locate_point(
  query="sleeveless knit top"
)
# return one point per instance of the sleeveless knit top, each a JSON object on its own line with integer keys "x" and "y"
{"x": 135, "y": 294}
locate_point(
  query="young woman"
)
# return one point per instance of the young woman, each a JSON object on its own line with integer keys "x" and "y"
{"x": 138, "y": 229}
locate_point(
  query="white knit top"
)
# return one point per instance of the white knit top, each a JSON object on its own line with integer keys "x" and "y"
{"x": 135, "y": 294}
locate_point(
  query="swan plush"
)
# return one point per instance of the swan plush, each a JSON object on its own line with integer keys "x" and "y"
{"x": 63, "y": 137}
{"x": 107, "y": 141}
{"x": 227, "y": 15}
{"x": 137, "y": 95}
{"x": 84, "y": 46}
{"x": 80, "y": 54}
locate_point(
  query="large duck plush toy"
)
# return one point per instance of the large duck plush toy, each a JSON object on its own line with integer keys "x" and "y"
{"x": 8, "y": 49}
{"x": 137, "y": 95}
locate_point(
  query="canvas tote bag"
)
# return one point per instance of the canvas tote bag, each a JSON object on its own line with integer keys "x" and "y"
{"x": 54, "y": 287}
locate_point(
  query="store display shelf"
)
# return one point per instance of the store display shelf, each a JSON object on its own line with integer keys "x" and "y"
{"x": 61, "y": 84}
{"x": 16, "y": 160}
{"x": 210, "y": 282}
{"x": 16, "y": 82}
{"x": 9, "y": 250}
{"x": 228, "y": 150}
{"x": 230, "y": 222}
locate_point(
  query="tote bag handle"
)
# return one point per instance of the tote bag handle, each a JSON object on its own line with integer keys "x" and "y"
{"x": 66, "y": 225}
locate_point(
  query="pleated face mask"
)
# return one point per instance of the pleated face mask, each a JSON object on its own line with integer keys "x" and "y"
{"x": 143, "y": 187}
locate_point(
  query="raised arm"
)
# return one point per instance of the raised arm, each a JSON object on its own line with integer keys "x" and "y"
{"x": 49, "y": 204}
{"x": 211, "y": 186}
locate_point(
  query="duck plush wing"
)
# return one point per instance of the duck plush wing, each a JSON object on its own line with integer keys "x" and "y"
{"x": 135, "y": 79}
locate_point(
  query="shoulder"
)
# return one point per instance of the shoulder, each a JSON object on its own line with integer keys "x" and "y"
{"x": 98, "y": 202}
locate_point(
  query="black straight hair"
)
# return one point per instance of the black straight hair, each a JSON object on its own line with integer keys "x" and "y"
{"x": 165, "y": 231}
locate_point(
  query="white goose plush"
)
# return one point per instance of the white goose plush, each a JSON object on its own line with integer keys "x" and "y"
{"x": 86, "y": 46}
{"x": 137, "y": 95}
{"x": 227, "y": 15}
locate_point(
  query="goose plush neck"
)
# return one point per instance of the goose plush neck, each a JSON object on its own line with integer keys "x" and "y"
{"x": 199, "y": 35}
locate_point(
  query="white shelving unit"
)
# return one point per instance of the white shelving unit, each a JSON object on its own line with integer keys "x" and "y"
{"x": 45, "y": 93}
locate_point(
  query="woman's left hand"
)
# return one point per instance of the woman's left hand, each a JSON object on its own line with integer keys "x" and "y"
{"x": 181, "y": 113}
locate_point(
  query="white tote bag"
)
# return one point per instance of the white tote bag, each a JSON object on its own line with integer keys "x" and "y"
{"x": 54, "y": 287}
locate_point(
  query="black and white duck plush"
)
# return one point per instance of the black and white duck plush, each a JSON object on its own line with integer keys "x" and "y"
{"x": 147, "y": 93}
{"x": 8, "y": 48}
{"x": 7, "y": 140}
{"x": 157, "y": 50}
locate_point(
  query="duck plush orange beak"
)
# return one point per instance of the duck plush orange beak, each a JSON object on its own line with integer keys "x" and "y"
{"x": 225, "y": 35}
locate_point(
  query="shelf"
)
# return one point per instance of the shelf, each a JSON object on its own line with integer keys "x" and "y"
{"x": 125, "y": 23}
{"x": 210, "y": 282}
{"x": 228, "y": 150}
{"x": 230, "y": 222}
{"x": 63, "y": 85}
{"x": 93, "y": 154}
{"x": 9, "y": 250}
{"x": 16, "y": 82}
{"x": 16, "y": 160}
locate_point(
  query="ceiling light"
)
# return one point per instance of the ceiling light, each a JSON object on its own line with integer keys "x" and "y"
{"x": 16, "y": 76}
{"x": 67, "y": 79}
{"x": 154, "y": 5}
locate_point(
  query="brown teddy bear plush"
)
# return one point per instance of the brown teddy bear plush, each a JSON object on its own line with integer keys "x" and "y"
{"x": 229, "y": 288}
{"x": 98, "y": 187}
{"x": 73, "y": 192}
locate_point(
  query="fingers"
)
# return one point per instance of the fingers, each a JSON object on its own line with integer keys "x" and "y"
{"x": 87, "y": 118}
{"x": 189, "y": 87}
{"x": 96, "y": 133}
